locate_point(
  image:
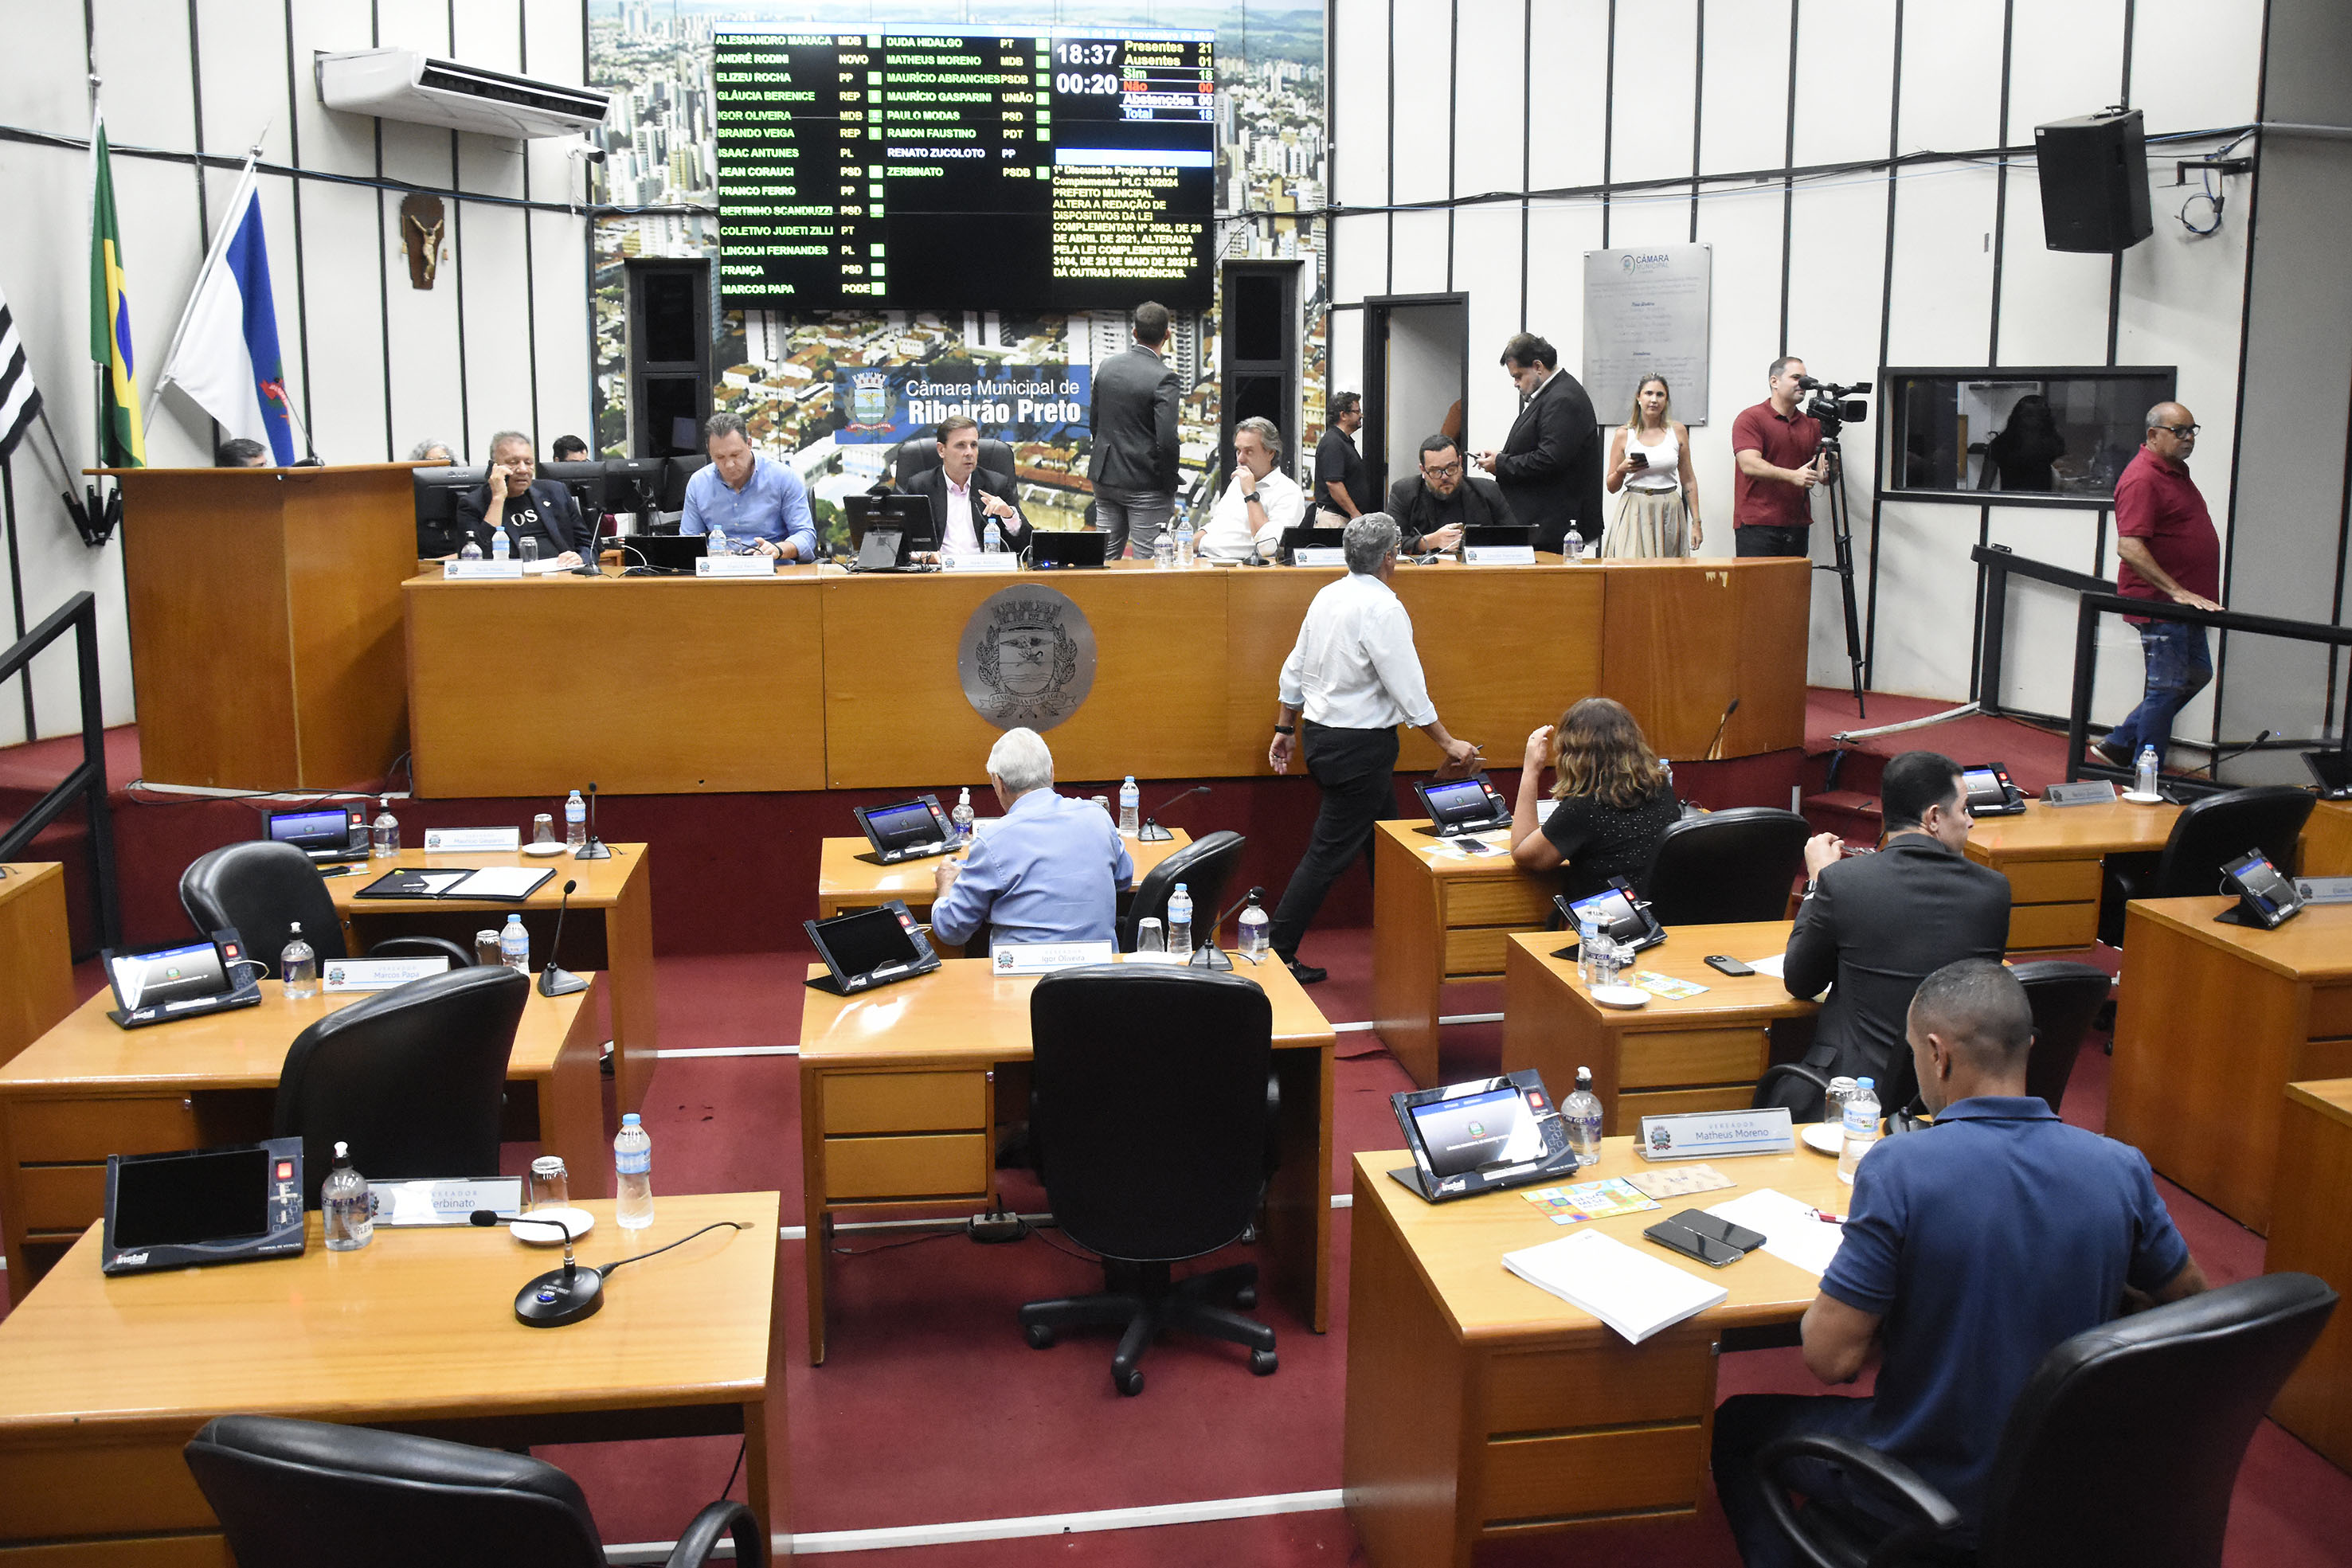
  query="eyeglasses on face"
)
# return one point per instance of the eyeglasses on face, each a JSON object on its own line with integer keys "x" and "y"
{"x": 1449, "y": 471}
{"x": 2186, "y": 431}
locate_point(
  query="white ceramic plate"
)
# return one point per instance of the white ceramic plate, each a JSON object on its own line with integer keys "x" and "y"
{"x": 543, "y": 850}
{"x": 579, "y": 1219}
{"x": 1620, "y": 995}
{"x": 2143, "y": 798}
{"x": 1821, "y": 1135}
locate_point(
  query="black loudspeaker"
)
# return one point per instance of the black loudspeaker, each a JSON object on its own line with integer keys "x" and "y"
{"x": 2094, "y": 182}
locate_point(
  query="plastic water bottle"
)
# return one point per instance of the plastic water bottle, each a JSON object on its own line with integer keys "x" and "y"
{"x": 633, "y": 1165}
{"x": 716, "y": 544}
{"x": 470, "y": 551}
{"x": 298, "y": 966}
{"x": 1179, "y": 923}
{"x": 383, "y": 833}
{"x": 1257, "y": 930}
{"x": 993, "y": 542}
{"x": 1131, "y": 807}
{"x": 2143, "y": 771}
{"x": 1581, "y": 1114}
{"x": 1184, "y": 540}
{"x": 500, "y": 546}
{"x": 961, "y": 816}
{"x": 346, "y": 1207}
{"x": 1163, "y": 552}
{"x": 514, "y": 944}
{"x": 575, "y": 822}
{"x": 1861, "y": 1127}
{"x": 1587, "y": 939}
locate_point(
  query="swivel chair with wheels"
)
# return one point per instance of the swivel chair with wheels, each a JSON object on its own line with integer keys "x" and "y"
{"x": 2207, "y": 833}
{"x": 413, "y": 1078}
{"x": 2121, "y": 1448}
{"x": 1727, "y": 866}
{"x": 262, "y": 888}
{"x": 1152, "y": 1116}
{"x": 291, "y": 1494}
{"x": 1205, "y": 867}
{"x": 919, "y": 453}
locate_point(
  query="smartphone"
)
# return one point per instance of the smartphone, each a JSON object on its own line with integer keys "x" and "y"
{"x": 1723, "y": 965}
{"x": 1682, "y": 1238}
{"x": 1721, "y": 1230}
{"x": 1638, "y": 458}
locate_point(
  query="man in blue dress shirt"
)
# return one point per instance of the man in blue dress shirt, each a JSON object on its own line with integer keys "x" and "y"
{"x": 753, "y": 500}
{"x": 1050, "y": 870}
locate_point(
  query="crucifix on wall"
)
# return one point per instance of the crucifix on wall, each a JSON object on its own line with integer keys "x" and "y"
{"x": 422, "y": 224}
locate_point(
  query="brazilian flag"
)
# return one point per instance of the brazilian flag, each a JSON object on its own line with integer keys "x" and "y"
{"x": 120, "y": 442}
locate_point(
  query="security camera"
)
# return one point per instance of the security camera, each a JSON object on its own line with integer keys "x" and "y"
{"x": 588, "y": 150}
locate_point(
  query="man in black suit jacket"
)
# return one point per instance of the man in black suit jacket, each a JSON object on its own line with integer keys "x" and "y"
{"x": 1549, "y": 466}
{"x": 525, "y": 505}
{"x": 1133, "y": 465}
{"x": 1432, "y": 507}
{"x": 983, "y": 496}
{"x": 1879, "y": 924}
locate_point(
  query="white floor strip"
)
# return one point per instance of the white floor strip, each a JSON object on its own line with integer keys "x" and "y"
{"x": 1471, "y": 1017}
{"x": 730, "y": 1050}
{"x": 1032, "y": 1525}
{"x": 800, "y": 1232}
{"x": 1350, "y": 1027}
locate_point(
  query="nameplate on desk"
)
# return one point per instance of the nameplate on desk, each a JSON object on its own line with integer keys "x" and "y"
{"x": 1045, "y": 958}
{"x": 1498, "y": 555}
{"x": 444, "y": 1200}
{"x": 377, "y": 973}
{"x": 2090, "y": 792}
{"x": 1319, "y": 555}
{"x": 735, "y": 566}
{"x": 482, "y": 570}
{"x": 983, "y": 561}
{"x": 471, "y": 840}
{"x": 1700, "y": 1134}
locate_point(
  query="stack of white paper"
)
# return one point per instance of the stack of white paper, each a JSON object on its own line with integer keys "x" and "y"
{"x": 1793, "y": 1231}
{"x": 1631, "y": 1291}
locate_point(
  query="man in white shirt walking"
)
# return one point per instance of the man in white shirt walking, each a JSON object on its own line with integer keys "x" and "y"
{"x": 1353, "y": 678}
{"x": 1259, "y": 503}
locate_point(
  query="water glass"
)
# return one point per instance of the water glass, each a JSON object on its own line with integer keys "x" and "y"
{"x": 542, "y": 828}
{"x": 530, "y": 547}
{"x": 1150, "y": 936}
{"x": 485, "y": 949}
{"x": 551, "y": 1184}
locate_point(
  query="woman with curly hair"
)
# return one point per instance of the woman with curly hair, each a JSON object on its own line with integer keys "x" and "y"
{"x": 1613, "y": 801}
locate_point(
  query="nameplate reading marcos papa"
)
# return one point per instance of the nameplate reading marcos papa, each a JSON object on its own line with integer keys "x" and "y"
{"x": 1026, "y": 657}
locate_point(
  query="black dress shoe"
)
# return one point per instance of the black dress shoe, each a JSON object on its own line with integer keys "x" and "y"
{"x": 1307, "y": 974}
{"x": 2116, "y": 755}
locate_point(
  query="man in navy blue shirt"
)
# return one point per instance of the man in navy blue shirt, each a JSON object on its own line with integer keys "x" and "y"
{"x": 1050, "y": 870}
{"x": 1976, "y": 1246}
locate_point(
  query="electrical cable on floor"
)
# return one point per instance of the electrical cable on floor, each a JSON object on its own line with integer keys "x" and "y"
{"x": 735, "y": 1469}
{"x": 887, "y": 1246}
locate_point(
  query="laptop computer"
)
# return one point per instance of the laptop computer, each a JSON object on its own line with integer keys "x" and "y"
{"x": 1457, "y": 806}
{"x": 325, "y": 834}
{"x": 906, "y": 830}
{"x": 664, "y": 552}
{"x": 1497, "y": 534}
{"x": 182, "y": 980}
{"x": 1051, "y": 549}
{"x": 1309, "y": 538}
{"x": 871, "y": 947}
{"x": 1477, "y": 1136}
{"x": 886, "y": 531}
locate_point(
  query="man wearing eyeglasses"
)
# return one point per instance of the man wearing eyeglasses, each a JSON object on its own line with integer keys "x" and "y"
{"x": 1432, "y": 507}
{"x": 2170, "y": 550}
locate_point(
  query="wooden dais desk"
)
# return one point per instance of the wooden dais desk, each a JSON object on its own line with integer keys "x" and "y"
{"x": 2213, "y": 1023}
{"x": 847, "y": 879}
{"x": 1438, "y": 918}
{"x": 898, "y": 1110}
{"x": 2053, "y": 857}
{"x": 102, "y": 1382}
{"x": 2327, "y": 840}
{"x": 610, "y": 928}
{"x": 89, "y": 1089}
{"x": 1481, "y": 1408}
{"x": 1691, "y": 1053}
{"x": 2308, "y": 1236}
{"x": 35, "y": 954}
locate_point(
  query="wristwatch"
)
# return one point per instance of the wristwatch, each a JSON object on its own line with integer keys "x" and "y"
{"x": 1286, "y": 729}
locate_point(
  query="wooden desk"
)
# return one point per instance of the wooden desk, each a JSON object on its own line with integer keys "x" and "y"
{"x": 1438, "y": 918}
{"x": 102, "y": 1382}
{"x": 2052, "y": 856}
{"x": 1695, "y": 1054}
{"x": 610, "y": 928}
{"x": 2308, "y": 1236}
{"x": 35, "y": 954}
{"x": 2327, "y": 847}
{"x": 1481, "y": 1408}
{"x": 2213, "y": 1023}
{"x": 88, "y": 1089}
{"x": 847, "y": 879}
{"x": 899, "y": 1109}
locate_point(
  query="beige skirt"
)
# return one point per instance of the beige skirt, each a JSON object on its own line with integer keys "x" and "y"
{"x": 1650, "y": 524}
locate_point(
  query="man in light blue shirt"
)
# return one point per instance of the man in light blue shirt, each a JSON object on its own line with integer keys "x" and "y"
{"x": 1050, "y": 870}
{"x": 754, "y": 501}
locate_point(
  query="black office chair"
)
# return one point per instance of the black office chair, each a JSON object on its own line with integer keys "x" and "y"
{"x": 262, "y": 887}
{"x": 1152, "y": 1112}
{"x": 2122, "y": 1447}
{"x": 919, "y": 453}
{"x": 2065, "y": 999}
{"x": 1727, "y": 866}
{"x": 291, "y": 1494}
{"x": 412, "y": 1078}
{"x": 1205, "y": 867}
{"x": 2207, "y": 832}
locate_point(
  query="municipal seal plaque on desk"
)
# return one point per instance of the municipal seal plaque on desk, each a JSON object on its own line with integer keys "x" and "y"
{"x": 1026, "y": 657}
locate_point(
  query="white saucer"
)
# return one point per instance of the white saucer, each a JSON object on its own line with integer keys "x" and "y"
{"x": 1821, "y": 1135}
{"x": 579, "y": 1219}
{"x": 2143, "y": 798}
{"x": 1620, "y": 996}
{"x": 543, "y": 851}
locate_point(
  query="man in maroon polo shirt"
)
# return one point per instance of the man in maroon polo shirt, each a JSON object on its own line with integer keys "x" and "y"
{"x": 1777, "y": 451}
{"x": 2170, "y": 550}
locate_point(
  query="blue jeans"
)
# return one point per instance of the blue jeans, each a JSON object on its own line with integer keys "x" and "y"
{"x": 2178, "y": 667}
{"x": 1131, "y": 517}
{"x": 1744, "y": 1425}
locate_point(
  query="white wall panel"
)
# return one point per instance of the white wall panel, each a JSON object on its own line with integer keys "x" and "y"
{"x": 141, "y": 53}
{"x": 347, "y": 341}
{"x": 1943, "y": 269}
{"x": 560, "y": 325}
{"x": 2068, "y": 60}
{"x": 2053, "y": 303}
{"x": 1344, "y": 336}
{"x": 1421, "y": 254}
{"x": 244, "y": 44}
{"x": 1743, "y": 335}
{"x": 333, "y": 142}
{"x": 2196, "y": 64}
{"x": 1837, "y": 252}
{"x": 1558, "y": 234}
{"x": 1846, "y": 79}
{"x": 1657, "y": 49}
{"x": 1358, "y": 43}
{"x": 498, "y": 329}
{"x": 1927, "y": 603}
{"x": 1359, "y": 256}
{"x": 1950, "y": 66}
{"x": 1487, "y": 268}
{"x": 1424, "y": 99}
{"x": 1490, "y": 113}
{"x": 1745, "y": 111}
{"x": 1570, "y": 102}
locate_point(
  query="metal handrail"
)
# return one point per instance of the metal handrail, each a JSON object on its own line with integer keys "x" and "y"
{"x": 1996, "y": 563}
{"x": 79, "y": 616}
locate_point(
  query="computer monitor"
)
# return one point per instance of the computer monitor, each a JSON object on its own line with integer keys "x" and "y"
{"x": 633, "y": 486}
{"x": 675, "y": 472}
{"x": 438, "y": 491}
{"x": 909, "y": 515}
{"x": 584, "y": 480}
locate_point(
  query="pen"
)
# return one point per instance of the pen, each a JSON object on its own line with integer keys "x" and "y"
{"x": 1829, "y": 1218}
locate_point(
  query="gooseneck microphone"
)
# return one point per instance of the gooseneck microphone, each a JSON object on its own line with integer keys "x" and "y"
{"x": 596, "y": 848}
{"x": 559, "y": 1296}
{"x": 1710, "y": 754}
{"x": 555, "y": 980}
{"x": 1152, "y": 832}
{"x": 2213, "y": 769}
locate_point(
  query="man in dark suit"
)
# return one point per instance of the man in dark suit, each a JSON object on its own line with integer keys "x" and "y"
{"x": 965, "y": 497}
{"x": 1549, "y": 466}
{"x": 1133, "y": 465}
{"x": 1879, "y": 924}
{"x": 1433, "y": 506}
{"x": 526, "y": 506}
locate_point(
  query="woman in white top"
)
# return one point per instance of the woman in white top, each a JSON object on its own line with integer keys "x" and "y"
{"x": 1649, "y": 459}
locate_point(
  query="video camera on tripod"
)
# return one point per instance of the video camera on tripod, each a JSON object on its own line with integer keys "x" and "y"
{"x": 1833, "y": 405}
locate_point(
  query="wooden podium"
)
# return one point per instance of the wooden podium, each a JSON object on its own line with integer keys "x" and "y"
{"x": 266, "y": 648}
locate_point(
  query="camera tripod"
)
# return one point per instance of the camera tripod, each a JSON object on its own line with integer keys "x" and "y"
{"x": 1841, "y": 546}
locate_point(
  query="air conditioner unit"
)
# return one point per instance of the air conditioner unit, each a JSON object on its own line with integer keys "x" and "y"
{"x": 423, "y": 89}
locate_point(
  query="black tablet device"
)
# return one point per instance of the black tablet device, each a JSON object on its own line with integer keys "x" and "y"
{"x": 1050, "y": 550}
{"x": 231, "y": 1204}
{"x": 183, "y": 979}
{"x": 2332, "y": 771}
{"x": 1309, "y": 538}
{"x": 323, "y": 832}
{"x": 908, "y": 518}
{"x": 1988, "y": 790}
{"x": 907, "y": 829}
{"x": 872, "y": 948}
{"x": 1484, "y": 534}
{"x": 2265, "y": 898}
{"x": 1461, "y": 805}
{"x": 1486, "y": 1133}
{"x": 1624, "y": 917}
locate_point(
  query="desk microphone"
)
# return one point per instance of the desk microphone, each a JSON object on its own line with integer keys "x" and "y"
{"x": 1208, "y": 954}
{"x": 559, "y": 1296}
{"x": 596, "y": 848}
{"x": 1710, "y": 754}
{"x": 554, "y": 980}
{"x": 2213, "y": 769}
{"x": 1152, "y": 832}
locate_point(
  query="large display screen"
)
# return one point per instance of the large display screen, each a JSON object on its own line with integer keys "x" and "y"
{"x": 962, "y": 167}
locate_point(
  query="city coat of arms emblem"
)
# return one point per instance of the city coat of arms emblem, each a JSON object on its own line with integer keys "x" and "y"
{"x": 1026, "y": 657}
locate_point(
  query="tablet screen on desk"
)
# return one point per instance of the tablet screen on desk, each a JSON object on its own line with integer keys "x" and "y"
{"x": 1460, "y": 801}
{"x": 166, "y": 975}
{"x": 312, "y": 830}
{"x": 902, "y": 827}
{"x": 1495, "y": 1127}
{"x": 183, "y": 1200}
{"x": 862, "y": 943}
